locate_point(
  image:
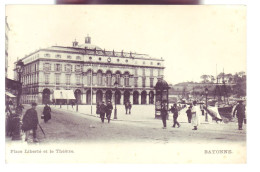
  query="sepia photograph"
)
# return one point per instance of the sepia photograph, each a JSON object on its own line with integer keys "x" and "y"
{"x": 135, "y": 84}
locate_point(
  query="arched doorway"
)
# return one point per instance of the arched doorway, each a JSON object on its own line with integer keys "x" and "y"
{"x": 117, "y": 96}
{"x": 136, "y": 97}
{"x": 77, "y": 94}
{"x": 108, "y": 95}
{"x": 151, "y": 97}
{"x": 99, "y": 97}
{"x": 143, "y": 97}
{"x": 46, "y": 96}
{"x": 126, "y": 96}
{"x": 88, "y": 97}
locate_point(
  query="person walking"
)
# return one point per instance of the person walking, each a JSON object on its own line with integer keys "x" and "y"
{"x": 195, "y": 118}
{"x": 46, "y": 113}
{"x": 189, "y": 113}
{"x": 175, "y": 112}
{"x": 239, "y": 111}
{"x": 129, "y": 108}
{"x": 30, "y": 122}
{"x": 109, "y": 109}
{"x": 102, "y": 111}
{"x": 164, "y": 113}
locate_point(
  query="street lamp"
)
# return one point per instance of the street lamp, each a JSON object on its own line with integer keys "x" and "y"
{"x": 115, "y": 112}
{"x": 206, "y": 93}
{"x": 17, "y": 117}
{"x": 19, "y": 68}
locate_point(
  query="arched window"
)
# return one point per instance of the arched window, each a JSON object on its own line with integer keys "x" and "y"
{"x": 99, "y": 77}
{"x": 118, "y": 78}
{"x": 126, "y": 79}
{"x": 89, "y": 77}
{"x": 108, "y": 78}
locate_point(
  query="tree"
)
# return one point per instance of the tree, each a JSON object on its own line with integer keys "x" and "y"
{"x": 204, "y": 78}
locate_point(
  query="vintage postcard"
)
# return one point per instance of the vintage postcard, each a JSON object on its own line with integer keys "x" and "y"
{"x": 125, "y": 84}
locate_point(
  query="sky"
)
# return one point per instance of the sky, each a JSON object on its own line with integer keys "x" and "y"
{"x": 193, "y": 40}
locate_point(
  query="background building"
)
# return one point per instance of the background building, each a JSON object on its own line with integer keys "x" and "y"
{"x": 7, "y": 29}
{"x": 87, "y": 68}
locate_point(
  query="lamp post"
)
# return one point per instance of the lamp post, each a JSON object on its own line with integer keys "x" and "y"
{"x": 17, "y": 117}
{"x": 19, "y": 67}
{"x": 115, "y": 112}
{"x": 206, "y": 93}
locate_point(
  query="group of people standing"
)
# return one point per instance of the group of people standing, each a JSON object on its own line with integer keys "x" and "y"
{"x": 193, "y": 113}
{"x": 103, "y": 110}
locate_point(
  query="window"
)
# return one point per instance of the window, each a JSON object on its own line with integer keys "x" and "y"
{"x": 99, "y": 78}
{"x": 58, "y": 56}
{"x": 89, "y": 78}
{"x": 58, "y": 67}
{"x": 68, "y": 68}
{"x": 159, "y": 72}
{"x": 78, "y": 58}
{"x": 68, "y": 57}
{"x": 143, "y": 71}
{"x": 78, "y": 68}
{"x": 127, "y": 80}
{"x": 47, "y": 55}
{"x": 143, "y": 81}
{"x": 143, "y": 62}
{"x": 109, "y": 79}
{"x": 151, "y": 72}
{"x": 68, "y": 79}
{"x": 77, "y": 79}
{"x": 118, "y": 78}
{"x": 151, "y": 82}
{"x": 57, "y": 79}
{"x": 136, "y": 82}
{"x": 47, "y": 66}
{"x": 136, "y": 70}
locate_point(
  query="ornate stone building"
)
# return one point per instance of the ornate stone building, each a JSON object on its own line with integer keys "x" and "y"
{"x": 87, "y": 69}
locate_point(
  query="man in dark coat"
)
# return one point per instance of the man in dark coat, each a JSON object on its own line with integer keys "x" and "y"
{"x": 109, "y": 109}
{"x": 130, "y": 107}
{"x": 189, "y": 114}
{"x": 240, "y": 113}
{"x": 164, "y": 113}
{"x": 47, "y": 113}
{"x": 175, "y": 112}
{"x": 30, "y": 122}
{"x": 102, "y": 111}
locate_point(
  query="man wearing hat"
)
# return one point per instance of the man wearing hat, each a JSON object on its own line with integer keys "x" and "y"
{"x": 109, "y": 110}
{"x": 102, "y": 111}
{"x": 240, "y": 113}
{"x": 30, "y": 122}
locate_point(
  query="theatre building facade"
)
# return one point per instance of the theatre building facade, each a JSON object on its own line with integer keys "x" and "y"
{"x": 89, "y": 70}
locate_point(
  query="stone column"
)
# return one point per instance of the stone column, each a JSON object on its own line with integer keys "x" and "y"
{"x": 131, "y": 98}
{"x": 147, "y": 98}
{"x": 84, "y": 96}
{"x": 140, "y": 98}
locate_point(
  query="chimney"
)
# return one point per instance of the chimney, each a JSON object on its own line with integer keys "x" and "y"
{"x": 88, "y": 40}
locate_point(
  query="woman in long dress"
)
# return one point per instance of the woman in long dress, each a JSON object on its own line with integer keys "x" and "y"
{"x": 195, "y": 118}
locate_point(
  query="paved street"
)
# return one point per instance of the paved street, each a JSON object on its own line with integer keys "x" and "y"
{"x": 70, "y": 127}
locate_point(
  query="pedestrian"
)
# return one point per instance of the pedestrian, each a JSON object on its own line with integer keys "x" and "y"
{"x": 126, "y": 106}
{"x": 240, "y": 113}
{"x": 195, "y": 118}
{"x": 102, "y": 111}
{"x": 130, "y": 107}
{"x": 72, "y": 104}
{"x": 109, "y": 109}
{"x": 30, "y": 122}
{"x": 189, "y": 113}
{"x": 164, "y": 113}
{"x": 46, "y": 113}
{"x": 174, "y": 110}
